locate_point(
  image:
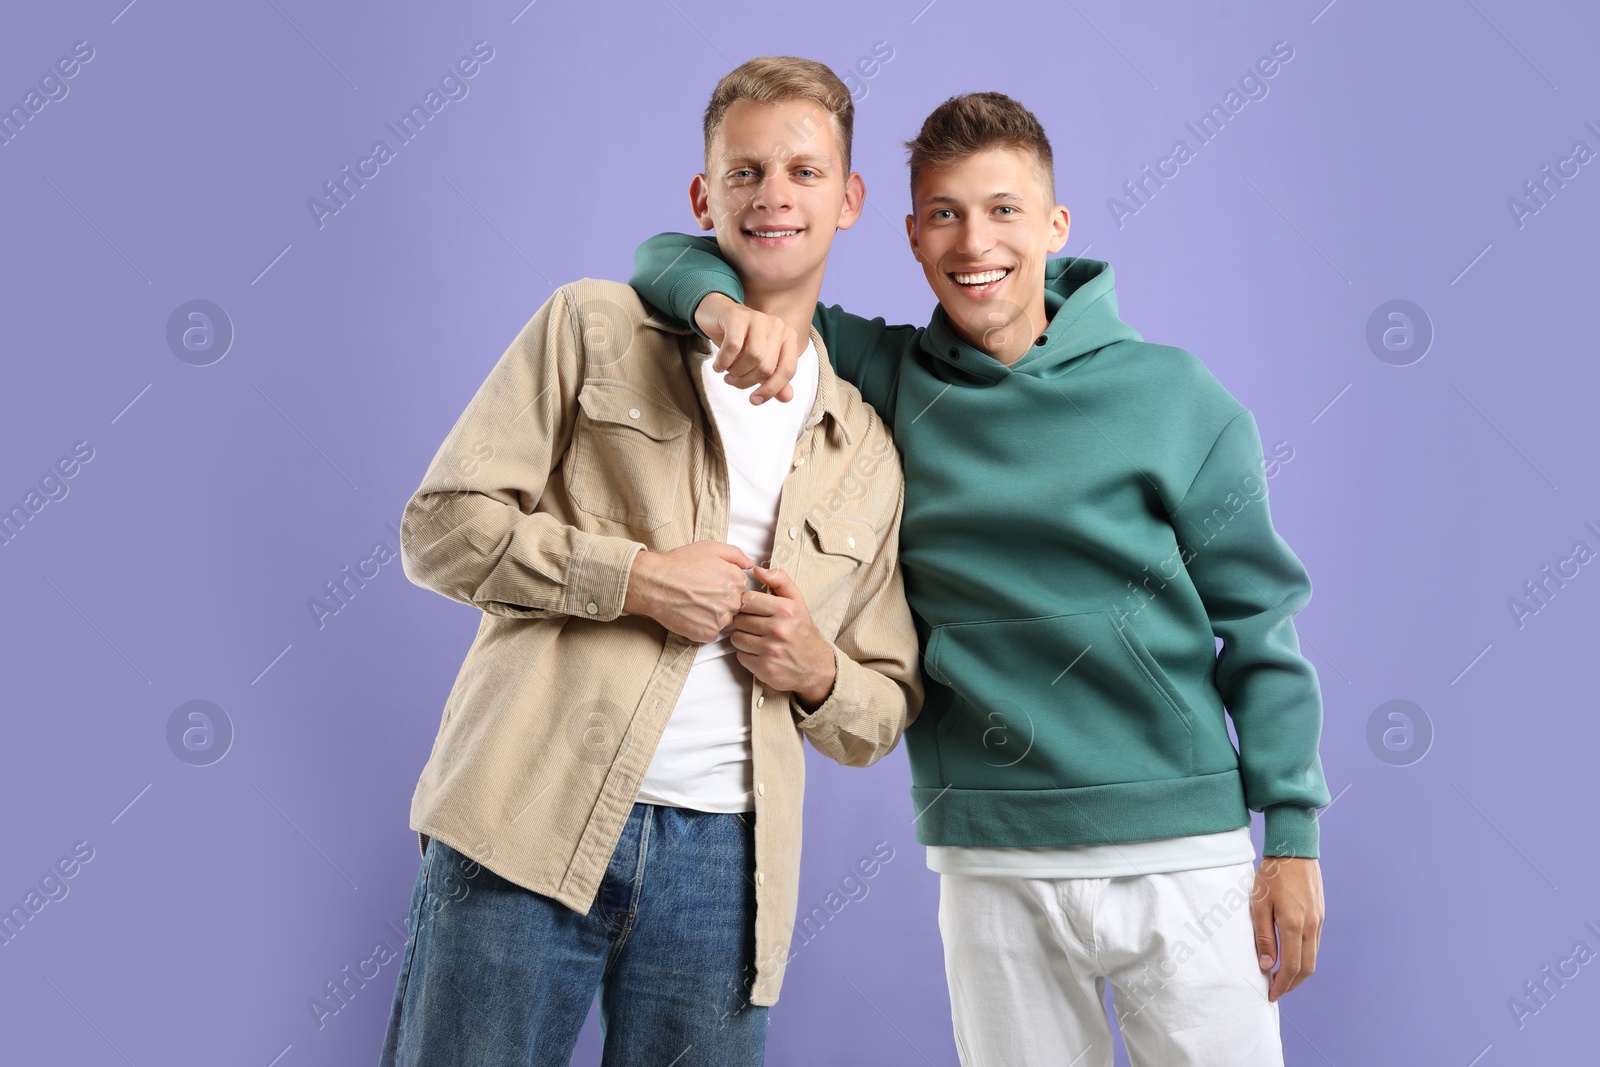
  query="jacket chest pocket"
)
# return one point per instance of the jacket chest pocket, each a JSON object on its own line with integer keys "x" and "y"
{"x": 627, "y": 455}
{"x": 833, "y": 561}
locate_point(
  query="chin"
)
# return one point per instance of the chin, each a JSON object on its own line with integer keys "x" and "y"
{"x": 776, "y": 275}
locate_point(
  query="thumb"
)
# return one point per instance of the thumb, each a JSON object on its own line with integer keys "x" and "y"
{"x": 779, "y": 582}
{"x": 1266, "y": 938}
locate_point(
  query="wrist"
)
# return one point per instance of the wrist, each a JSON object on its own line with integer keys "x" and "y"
{"x": 819, "y": 686}
{"x": 639, "y": 596}
{"x": 708, "y": 313}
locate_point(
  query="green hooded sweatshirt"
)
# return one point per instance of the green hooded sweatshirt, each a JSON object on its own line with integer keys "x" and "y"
{"x": 1080, "y": 529}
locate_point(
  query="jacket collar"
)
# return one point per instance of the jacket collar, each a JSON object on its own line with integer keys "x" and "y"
{"x": 828, "y": 401}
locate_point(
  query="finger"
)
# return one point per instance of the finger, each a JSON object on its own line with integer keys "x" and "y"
{"x": 1289, "y": 941}
{"x": 760, "y": 350}
{"x": 744, "y": 369}
{"x": 757, "y": 604}
{"x": 1308, "y": 957}
{"x": 747, "y": 643}
{"x": 752, "y": 663}
{"x": 779, "y": 582}
{"x": 731, "y": 553}
{"x": 788, "y": 359}
{"x": 742, "y": 377}
{"x": 786, "y": 394}
{"x": 732, "y": 342}
{"x": 753, "y": 625}
{"x": 1261, "y": 921}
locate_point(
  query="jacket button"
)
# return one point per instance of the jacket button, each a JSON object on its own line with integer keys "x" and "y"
{"x": 801, "y": 462}
{"x": 793, "y": 533}
{"x": 593, "y": 608}
{"x": 761, "y": 789}
{"x": 633, "y": 413}
{"x": 851, "y": 541}
{"x": 760, "y": 699}
{"x": 761, "y": 878}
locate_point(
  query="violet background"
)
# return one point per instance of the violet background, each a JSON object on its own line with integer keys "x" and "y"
{"x": 221, "y": 498}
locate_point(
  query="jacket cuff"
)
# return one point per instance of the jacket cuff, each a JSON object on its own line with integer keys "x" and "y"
{"x": 1291, "y": 830}
{"x": 687, "y": 292}
{"x": 597, "y": 585}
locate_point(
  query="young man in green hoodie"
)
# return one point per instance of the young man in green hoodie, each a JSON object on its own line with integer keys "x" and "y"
{"x": 1085, "y": 516}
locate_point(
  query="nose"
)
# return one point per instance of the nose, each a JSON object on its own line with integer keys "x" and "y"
{"x": 774, "y": 193}
{"x": 975, "y": 238}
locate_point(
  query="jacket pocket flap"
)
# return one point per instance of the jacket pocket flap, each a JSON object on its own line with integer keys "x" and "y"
{"x": 845, "y": 537}
{"x": 608, "y": 400}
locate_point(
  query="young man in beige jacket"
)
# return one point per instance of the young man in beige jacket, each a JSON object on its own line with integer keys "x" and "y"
{"x": 613, "y": 801}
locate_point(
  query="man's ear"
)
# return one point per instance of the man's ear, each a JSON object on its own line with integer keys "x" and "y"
{"x": 700, "y": 201}
{"x": 1060, "y": 224}
{"x": 911, "y": 236}
{"x": 855, "y": 197}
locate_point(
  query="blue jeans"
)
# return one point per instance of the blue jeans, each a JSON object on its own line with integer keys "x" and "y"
{"x": 495, "y": 974}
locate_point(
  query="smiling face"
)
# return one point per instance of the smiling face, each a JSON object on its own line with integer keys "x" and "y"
{"x": 982, "y": 228}
{"x": 776, "y": 191}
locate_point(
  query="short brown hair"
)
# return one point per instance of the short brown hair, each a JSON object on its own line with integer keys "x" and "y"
{"x": 967, "y": 124}
{"x": 773, "y": 79}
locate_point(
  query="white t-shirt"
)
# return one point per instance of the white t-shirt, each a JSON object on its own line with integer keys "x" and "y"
{"x": 703, "y": 759}
{"x": 1157, "y": 856}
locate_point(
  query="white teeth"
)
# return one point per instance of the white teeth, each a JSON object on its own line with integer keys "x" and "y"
{"x": 774, "y": 233}
{"x": 983, "y": 278}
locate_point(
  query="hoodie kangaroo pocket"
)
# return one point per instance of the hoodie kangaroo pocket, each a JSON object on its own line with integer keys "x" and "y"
{"x": 1054, "y": 702}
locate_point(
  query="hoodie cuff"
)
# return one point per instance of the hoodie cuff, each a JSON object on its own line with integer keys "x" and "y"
{"x": 687, "y": 292}
{"x": 1291, "y": 830}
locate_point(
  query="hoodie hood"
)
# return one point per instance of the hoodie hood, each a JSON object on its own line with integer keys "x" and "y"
{"x": 1081, "y": 301}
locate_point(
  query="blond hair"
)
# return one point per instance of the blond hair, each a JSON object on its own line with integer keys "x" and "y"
{"x": 773, "y": 79}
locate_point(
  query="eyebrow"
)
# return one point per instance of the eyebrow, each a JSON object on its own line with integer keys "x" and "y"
{"x": 804, "y": 158}
{"x": 941, "y": 199}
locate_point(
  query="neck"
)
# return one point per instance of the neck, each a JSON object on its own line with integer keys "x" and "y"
{"x": 1012, "y": 341}
{"x": 796, "y": 305}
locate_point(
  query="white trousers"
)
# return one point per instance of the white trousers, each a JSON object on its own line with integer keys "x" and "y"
{"x": 1027, "y": 960}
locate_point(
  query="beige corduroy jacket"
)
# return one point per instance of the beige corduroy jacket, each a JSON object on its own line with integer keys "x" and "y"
{"x": 588, "y": 441}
